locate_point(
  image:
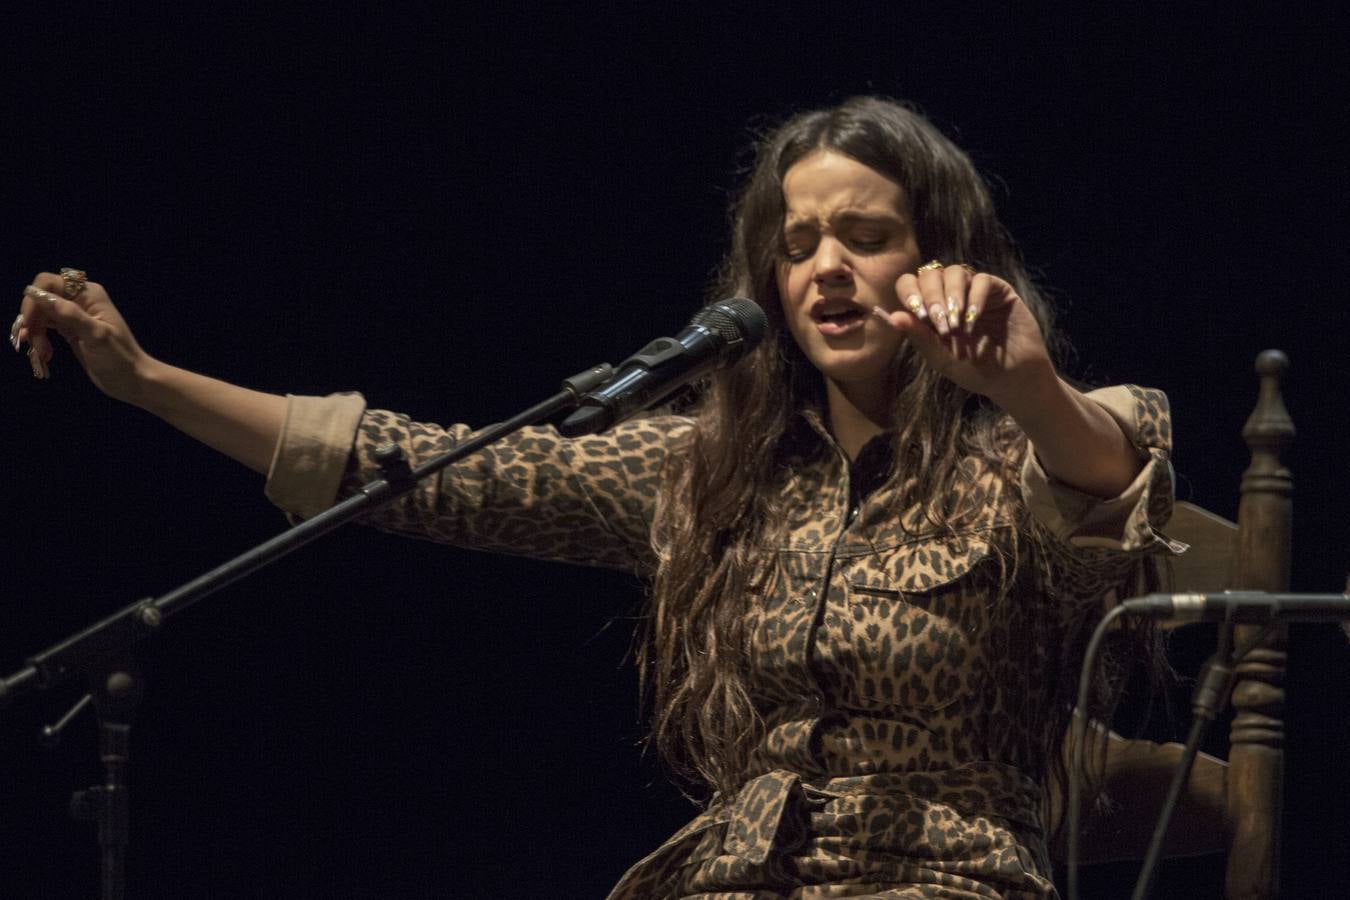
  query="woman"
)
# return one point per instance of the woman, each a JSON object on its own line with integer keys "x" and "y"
{"x": 876, "y": 550}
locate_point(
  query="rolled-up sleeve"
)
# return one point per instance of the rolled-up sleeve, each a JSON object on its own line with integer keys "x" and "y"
{"x": 1131, "y": 521}
{"x": 311, "y": 455}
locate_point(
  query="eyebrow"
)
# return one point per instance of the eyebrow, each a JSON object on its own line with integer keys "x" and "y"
{"x": 846, "y": 216}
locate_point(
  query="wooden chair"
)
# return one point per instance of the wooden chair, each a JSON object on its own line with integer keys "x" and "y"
{"x": 1256, "y": 754}
{"x": 1244, "y": 795}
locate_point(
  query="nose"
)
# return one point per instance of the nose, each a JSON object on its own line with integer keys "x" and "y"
{"x": 832, "y": 263}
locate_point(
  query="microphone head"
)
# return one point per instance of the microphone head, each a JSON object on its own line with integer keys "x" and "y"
{"x": 739, "y": 322}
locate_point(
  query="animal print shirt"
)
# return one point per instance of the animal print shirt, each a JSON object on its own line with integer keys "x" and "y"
{"x": 896, "y": 759}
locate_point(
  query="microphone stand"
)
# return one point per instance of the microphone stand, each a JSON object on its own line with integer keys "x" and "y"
{"x": 1208, "y": 700}
{"x": 101, "y": 652}
{"x": 1210, "y": 696}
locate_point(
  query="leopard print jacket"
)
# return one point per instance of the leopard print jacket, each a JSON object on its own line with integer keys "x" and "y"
{"x": 895, "y": 760}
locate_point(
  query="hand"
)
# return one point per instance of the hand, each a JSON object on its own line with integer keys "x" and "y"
{"x": 971, "y": 328}
{"x": 95, "y": 330}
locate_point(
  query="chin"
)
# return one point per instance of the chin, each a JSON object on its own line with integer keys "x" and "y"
{"x": 866, "y": 362}
{"x": 860, "y": 367}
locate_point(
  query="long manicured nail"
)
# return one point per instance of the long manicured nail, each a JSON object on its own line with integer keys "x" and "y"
{"x": 972, "y": 313}
{"x": 939, "y": 318}
{"x": 915, "y": 304}
{"x": 952, "y": 318}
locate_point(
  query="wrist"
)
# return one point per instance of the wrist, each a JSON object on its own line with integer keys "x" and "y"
{"x": 1033, "y": 391}
{"x": 149, "y": 384}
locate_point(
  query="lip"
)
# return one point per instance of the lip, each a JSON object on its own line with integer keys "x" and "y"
{"x": 828, "y": 307}
{"x": 825, "y": 306}
{"x": 839, "y": 329}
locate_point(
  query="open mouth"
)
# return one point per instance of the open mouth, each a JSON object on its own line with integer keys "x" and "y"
{"x": 836, "y": 317}
{"x": 841, "y": 317}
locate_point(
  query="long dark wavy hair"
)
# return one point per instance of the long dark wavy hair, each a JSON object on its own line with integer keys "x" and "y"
{"x": 721, "y": 495}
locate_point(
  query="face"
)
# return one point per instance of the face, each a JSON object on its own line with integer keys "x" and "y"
{"x": 848, "y": 237}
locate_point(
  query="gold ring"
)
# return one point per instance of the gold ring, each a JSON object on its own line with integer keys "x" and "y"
{"x": 928, "y": 266}
{"x": 969, "y": 268}
{"x": 75, "y": 280}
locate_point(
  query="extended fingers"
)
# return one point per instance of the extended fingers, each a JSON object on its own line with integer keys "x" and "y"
{"x": 31, "y": 326}
{"x": 939, "y": 295}
{"x": 39, "y": 347}
{"x": 936, "y": 300}
{"x": 42, "y": 308}
{"x": 35, "y": 309}
{"x": 956, "y": 287}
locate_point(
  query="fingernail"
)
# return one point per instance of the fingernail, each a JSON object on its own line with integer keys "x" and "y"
{"x": 939, "y": 318}
{"x": 915, "y": 304}
{"x": 972, "y": 313}
{"x": 951, "y": 312}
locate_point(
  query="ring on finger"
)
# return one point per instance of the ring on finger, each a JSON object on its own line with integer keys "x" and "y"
{"x": 38, "y": 293}
{"x": 929, "y": 266}
{"x": 75, "y": 280}
{"x": 968, "y": 267}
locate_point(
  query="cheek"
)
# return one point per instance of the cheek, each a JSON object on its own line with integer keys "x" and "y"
{"x": 883, "y": 276}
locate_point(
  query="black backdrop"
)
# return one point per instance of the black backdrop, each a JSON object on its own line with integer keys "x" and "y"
{"x": 450, "y": 211}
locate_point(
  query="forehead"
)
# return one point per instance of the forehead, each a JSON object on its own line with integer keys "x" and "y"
{"x": 825, "y": 184}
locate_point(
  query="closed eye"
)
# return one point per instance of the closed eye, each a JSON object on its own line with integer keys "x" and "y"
{"x": 870, "y": 246}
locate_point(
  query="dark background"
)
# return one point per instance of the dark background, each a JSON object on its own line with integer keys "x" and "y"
{"x": 449, "y": 212}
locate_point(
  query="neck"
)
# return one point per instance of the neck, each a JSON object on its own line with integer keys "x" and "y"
{"x": 856, "y": 414}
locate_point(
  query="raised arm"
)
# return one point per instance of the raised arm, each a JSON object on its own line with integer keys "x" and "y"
{"x": 241, "y": 423}
{"x": 974, "y": 329}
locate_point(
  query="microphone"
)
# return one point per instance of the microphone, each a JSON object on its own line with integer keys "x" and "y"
{"x": 717, "y": 336}
{"x": 1241, "y": 607}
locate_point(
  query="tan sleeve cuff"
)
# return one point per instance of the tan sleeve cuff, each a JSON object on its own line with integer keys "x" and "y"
{"x": 311, "y": 454}
{"x": 1130, "y": 520}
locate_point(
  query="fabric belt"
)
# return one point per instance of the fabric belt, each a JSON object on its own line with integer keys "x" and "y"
{"x": 772, "y": 812}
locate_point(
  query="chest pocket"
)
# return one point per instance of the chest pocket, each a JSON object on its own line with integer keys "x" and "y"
{"x": 907, "y": 637}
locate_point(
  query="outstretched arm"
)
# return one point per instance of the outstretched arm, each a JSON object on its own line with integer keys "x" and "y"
{"x": 241, "y": 423}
